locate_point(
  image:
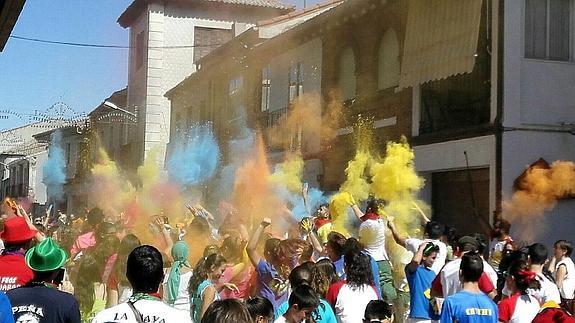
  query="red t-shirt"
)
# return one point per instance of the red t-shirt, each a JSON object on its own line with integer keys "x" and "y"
{"x": 14, "y": 272}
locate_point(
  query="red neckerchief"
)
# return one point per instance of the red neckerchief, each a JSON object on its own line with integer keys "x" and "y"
{"x": 156, "y": 295}
{"x": 369, "y": 216}
{"x": 320, "y": 222}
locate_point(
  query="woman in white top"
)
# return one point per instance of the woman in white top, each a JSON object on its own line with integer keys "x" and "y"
{"x": 177, "y": 283}
{"x": 563, "y": 269}
{"x": 519, "y": 307}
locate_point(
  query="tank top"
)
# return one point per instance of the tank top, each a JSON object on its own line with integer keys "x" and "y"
{"x": 197, "y": 299}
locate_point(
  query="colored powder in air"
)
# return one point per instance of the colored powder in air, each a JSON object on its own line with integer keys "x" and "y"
{"x": 54, "y": 170}
{"x": 109, "y": 189}
{"x": 540, "y": 189}
{"x": 356, "y": 182}
{"x": 289, "y": 174}
{"x": 195, "y": 157}
{"x": 339, "y": 206}
{"x": 395, "y": 176}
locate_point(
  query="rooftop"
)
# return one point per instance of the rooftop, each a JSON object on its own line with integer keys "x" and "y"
{"x": 135, "y": 9}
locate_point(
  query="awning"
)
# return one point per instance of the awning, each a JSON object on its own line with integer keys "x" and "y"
{"x": 440, "y": 40}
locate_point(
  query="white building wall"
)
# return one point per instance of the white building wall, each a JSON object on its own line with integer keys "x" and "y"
{"x": 166, "y": 25}
{"x": 538, "y": 94}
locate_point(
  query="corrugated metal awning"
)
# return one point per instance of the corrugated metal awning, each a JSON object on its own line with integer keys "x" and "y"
{"x": 440, "y": 40}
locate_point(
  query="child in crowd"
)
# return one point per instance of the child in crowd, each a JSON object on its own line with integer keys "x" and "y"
{"x": 261, "y": 309}
{"x": 378, "y": 312}
{"x": 302, "y": 302}
{"x": 520, "y": 306}
{"x": 419, "y": 273}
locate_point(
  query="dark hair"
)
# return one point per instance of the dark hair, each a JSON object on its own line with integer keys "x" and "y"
{"x": 336, "y": 242}
{"x": 210, "y": 250}
{"x": 144, "y": 269}
{"x": 104, "y": 248}
{"x": 358, "y": 269}
{"x": 300, "y": 275}
{"x": 304, "y": 297}
{"x": 372, "y": 206}
{"x": 430, "y": 247}
{"x": 504, "y": 225}
{"x": 524, "y": 278}
{"x": 203, "y": 268}
{"x": 260, "y": 306}
{"x": 127, "y": 245}
{"x": 232, "y": 248}
{"x": 323, "y": 276}
{"x": 377, "y": 310}
{"x": 565, "y": 245}
{"x": 471, "y": 267}
{"x": 538, "y": 253}
{"x": 272, "y": 249}
{"x": 95, "y": 217}
{"x": 481, "y": 242}
{"x": 450, "y": 232}
{"x": 104, "y": 230}
{"x": 227, "y": 311}
{"x": 434, "y": 229}
{"x": 352, "y": 245}
{"x": 89, "y": 272}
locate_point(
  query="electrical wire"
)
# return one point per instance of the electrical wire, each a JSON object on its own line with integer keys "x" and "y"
{"x": 56, "y": 42}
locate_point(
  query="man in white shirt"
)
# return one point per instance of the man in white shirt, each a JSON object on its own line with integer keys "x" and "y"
{"x": 145, "y": 273}
{"x": 372, "y": 236}
{"x": 537, "y": 253}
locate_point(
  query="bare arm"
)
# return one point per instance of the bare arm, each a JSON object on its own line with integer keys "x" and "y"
{"x": 22, "y": 213}
{"x": 358, "y": 213}
{"x": 399, "y": 239}
{"x": 416, "y": 260}
{"x": 111, "y": 298}
{"x": 560, "y": 276}
{"x": 253, "y": 254}
{"x": 208, "y": 299}
{"x": 551, "y": 265}
{"x": 304, "y": 194}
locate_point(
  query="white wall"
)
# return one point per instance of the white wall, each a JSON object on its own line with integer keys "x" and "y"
{"x": 448, "y": 156}
{"x": 537, "y": 92}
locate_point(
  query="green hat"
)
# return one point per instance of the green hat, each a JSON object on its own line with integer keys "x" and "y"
{"x": 46, "y": 256}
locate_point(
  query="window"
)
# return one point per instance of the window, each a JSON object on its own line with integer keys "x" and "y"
{"x": 548, "y": 29}
{"x": 208, "y": 39}
{"x": 388, "y": 63}
{"x": 68, "y": 153}
{"x": 139, "y": 50}
{"x": 347, "y": 81}
{"x": 295, "y": 81}
{"x": 266, "y": 87}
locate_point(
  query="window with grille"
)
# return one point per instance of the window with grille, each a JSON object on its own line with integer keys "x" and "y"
{"x": 295, "y": 81}
{"x": 266, "y": 88}
{"x": 548, "y": 33}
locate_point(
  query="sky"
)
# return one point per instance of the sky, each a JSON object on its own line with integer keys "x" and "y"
{"x": 35, "y": 76}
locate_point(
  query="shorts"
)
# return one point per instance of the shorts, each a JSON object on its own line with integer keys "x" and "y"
{"x": 388, "y": 291}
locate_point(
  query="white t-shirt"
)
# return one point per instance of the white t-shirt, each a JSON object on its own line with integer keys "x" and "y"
{"x": 567, "y": 288}
{"x": 151, "y": 310}
{"x": 372, "y": 236}
{"x": 412, "y": 244}
{"x": 350, "y": 303}
{"x": 519, "y": 309}
{"x": 547, "y": 292}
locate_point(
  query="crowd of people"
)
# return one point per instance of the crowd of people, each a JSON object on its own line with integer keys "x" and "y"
{"x": 87, "y": 269}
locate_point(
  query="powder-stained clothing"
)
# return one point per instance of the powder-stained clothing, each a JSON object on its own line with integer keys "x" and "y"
{"x": 270, "y": 285}
{"x": 43, "y": 304}
{"x": 13, "y": 271}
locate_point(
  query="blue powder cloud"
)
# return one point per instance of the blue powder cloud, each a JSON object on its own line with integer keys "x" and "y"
{"x": 195, "y": 157}
{"x": 54, "y": 170}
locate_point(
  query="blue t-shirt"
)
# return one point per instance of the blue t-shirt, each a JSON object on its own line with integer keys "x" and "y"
{"x": 419, "y": 284}
{"x": 270, "y": 285}
{"x": 375, "y": 274}
{"x": 339, "y": 271}
{"x": 466, "y": 307}
{"x": 5, "y": 309}
{"x": 322, "y": 314}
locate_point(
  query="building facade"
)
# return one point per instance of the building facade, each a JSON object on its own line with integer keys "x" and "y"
{"x": 167, "y": 38}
